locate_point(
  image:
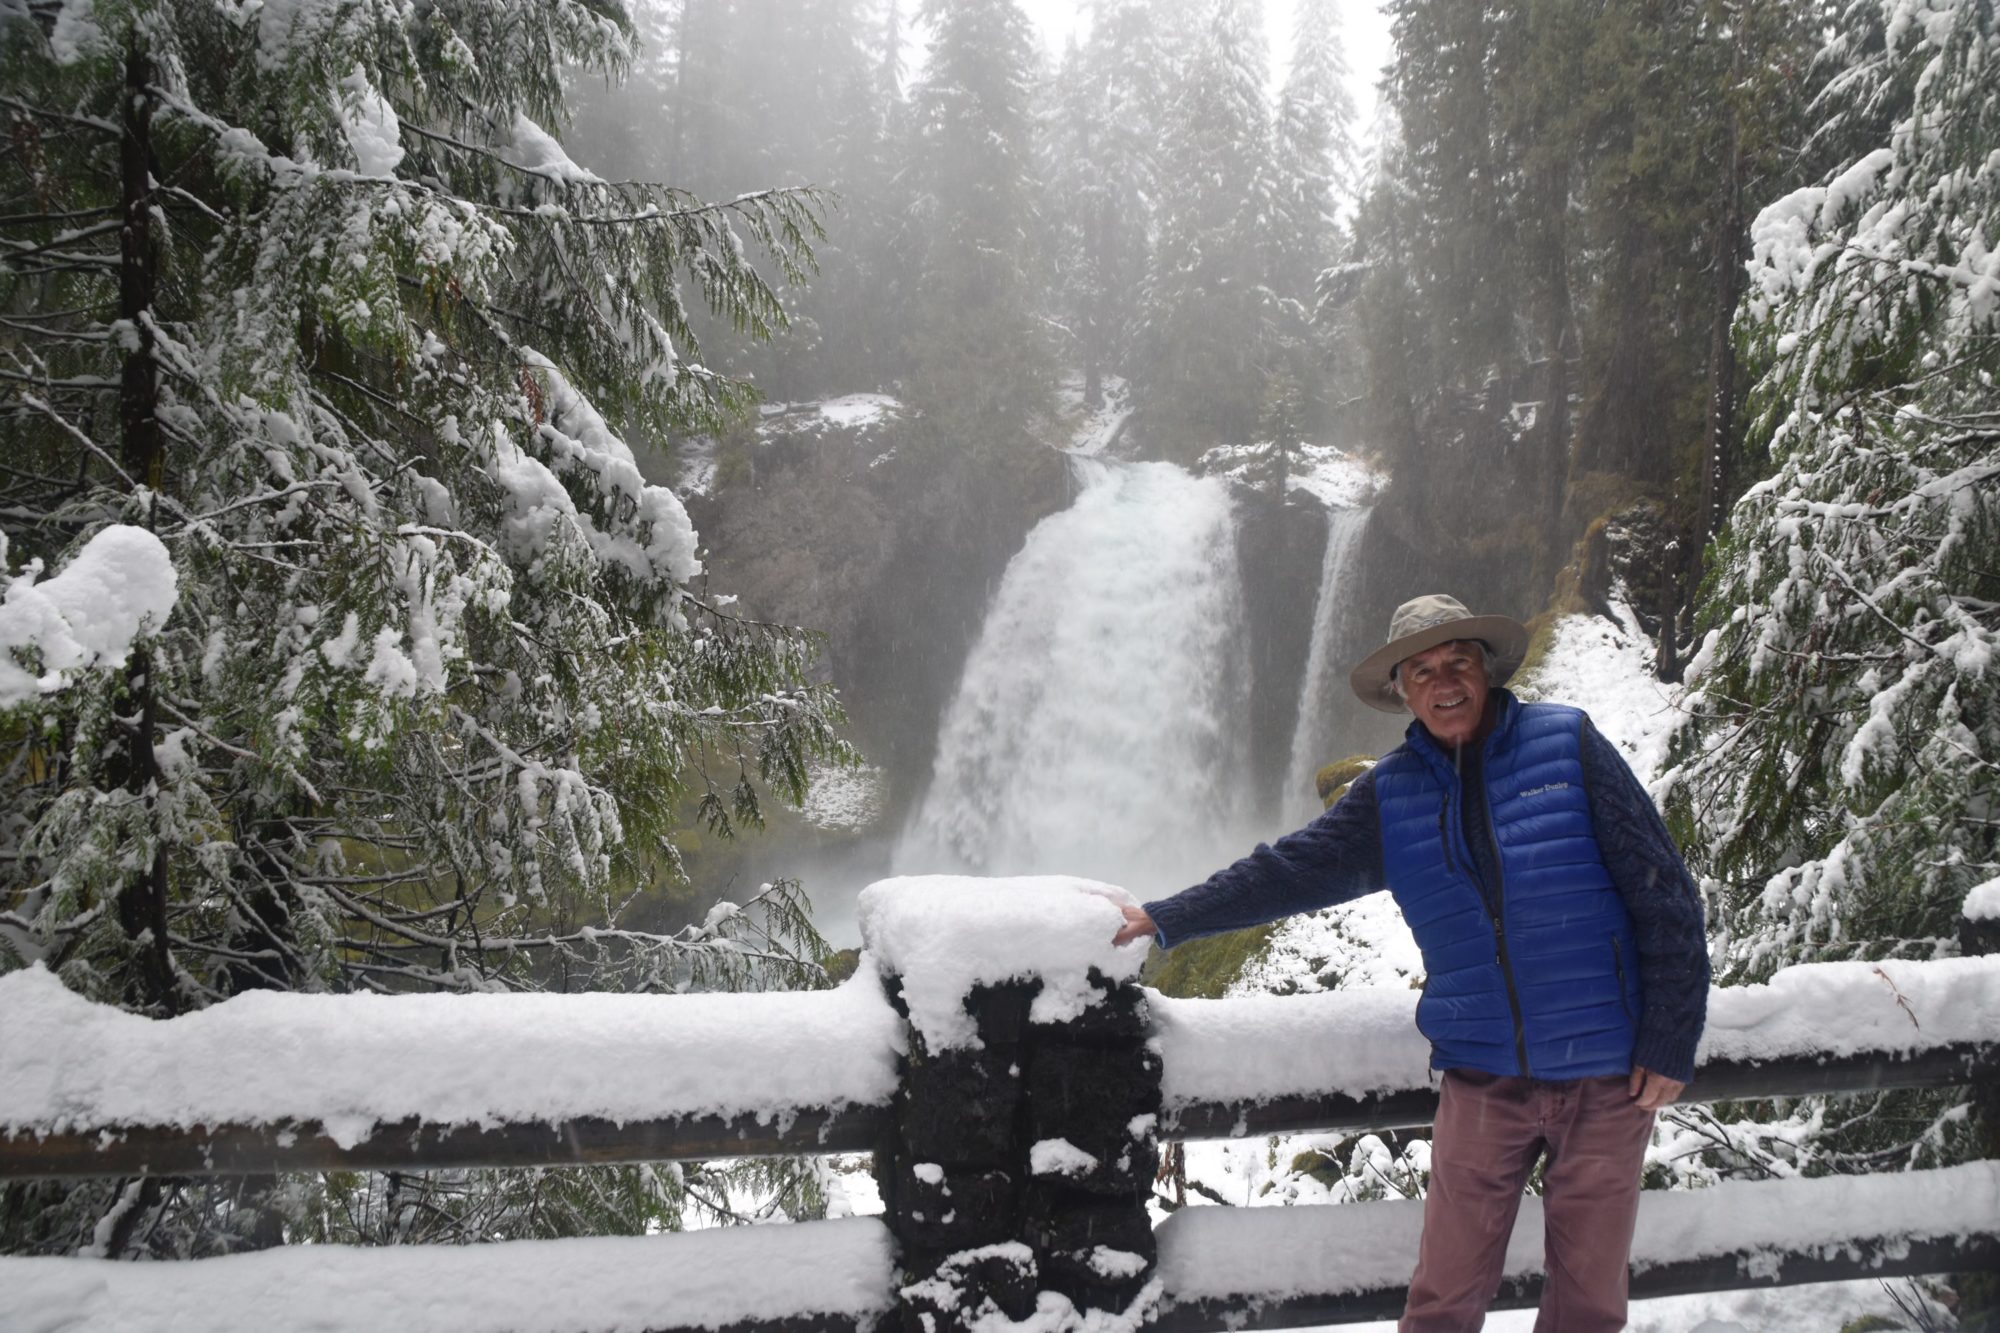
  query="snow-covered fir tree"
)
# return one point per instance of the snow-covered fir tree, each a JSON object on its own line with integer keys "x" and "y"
{"x": 1835, "y": 778}
{"x": 980, "y": 355}
{"x": 1315, "y": 164}
{"x": 1313, "y": 172}
{"x": 311, "y": 298}
{"x": 1102, "y": 178}
{"x": 1836, "y": 770}
{"x": 1207, "y": 311}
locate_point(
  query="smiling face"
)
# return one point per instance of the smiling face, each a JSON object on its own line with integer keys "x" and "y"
{"x": 1446, "y": 688}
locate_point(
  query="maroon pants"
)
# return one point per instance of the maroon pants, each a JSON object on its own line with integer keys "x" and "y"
{"x": 1490, "y": 1132}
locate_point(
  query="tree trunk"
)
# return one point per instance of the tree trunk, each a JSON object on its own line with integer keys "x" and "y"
{"x": 142, "y": 901}
{"x": 1721, "y": 358}
{"x": 1727, "y": 259}
{"x": 1557, "y": 335}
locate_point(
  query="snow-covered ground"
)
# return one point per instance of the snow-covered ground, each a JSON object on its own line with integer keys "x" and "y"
{"x": 1098, "y": 428}
{"x": 1606, "y": 667}
{"x": 857, "y": 414}
{"x": 844, "y": 800}
{"x": 1336, "y": 478}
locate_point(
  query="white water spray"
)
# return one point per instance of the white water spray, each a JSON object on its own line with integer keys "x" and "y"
{"x": 1100, "y": 726}
{"x": 1320, "y": 736}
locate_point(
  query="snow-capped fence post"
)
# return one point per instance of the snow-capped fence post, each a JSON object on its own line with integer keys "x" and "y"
{"x": 1979, "y": 920}
{"x": 1978, "y": 936}
{"x": 1023, "y": 1142}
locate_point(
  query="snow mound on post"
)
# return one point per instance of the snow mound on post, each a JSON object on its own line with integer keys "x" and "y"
{"x": 1983, "y": 903}
{"x": 352, "y": 1062}
{"x": 945, "y": 934}
{"x": 727, "y": 1277}
{"x": 120, "y": 583}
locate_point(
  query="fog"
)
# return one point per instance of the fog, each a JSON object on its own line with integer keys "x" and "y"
{"x": 1469, "y": 256}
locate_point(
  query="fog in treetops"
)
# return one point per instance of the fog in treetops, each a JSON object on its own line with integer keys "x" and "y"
{"x": 556, "y": 497}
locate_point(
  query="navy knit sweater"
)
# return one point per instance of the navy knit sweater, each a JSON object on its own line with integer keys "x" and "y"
{"x": 1338, "y": 857}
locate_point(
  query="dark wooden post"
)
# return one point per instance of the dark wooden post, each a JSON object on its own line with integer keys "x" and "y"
{"x": 1015, "y": 1174}
{"x": 1979, "y": 1292}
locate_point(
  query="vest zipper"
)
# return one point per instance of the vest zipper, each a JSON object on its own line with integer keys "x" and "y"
{"x": 1500, "y": 932}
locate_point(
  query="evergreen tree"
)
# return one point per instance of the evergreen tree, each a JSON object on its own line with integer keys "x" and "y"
{"x": 312, "y": 295}
{"x": 1314, "y": 177}
{"x": 1102, "y": 179}
{"x": 1835, "y": 775}
{"x": 1443, "y": 305}
{"x": 1208, "y": 313}
{"x": 1315, "y": 161}
{"x": 1834, "y": 778}
{"x": 979, "y": 350}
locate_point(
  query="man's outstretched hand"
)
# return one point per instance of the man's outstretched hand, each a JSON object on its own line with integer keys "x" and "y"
{"x": 1651, "y": 1090}
{"x": 1138, "y": 926}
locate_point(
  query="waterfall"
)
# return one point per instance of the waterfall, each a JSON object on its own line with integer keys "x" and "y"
{"x": 1099, "y": 728}
{"x": 1327, "y": 710}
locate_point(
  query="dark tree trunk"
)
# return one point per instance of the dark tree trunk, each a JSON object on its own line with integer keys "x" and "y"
{"x": 1557, "y": 336}
{"x": 1721, "y": 358}
{"x": 1727, "y": 260}
{"x": 142, "y": 902}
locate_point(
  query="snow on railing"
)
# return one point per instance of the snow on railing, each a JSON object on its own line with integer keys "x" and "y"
{"x": 275, "y": 1081}
{"x": 1281, "y": 1261}
{"x": 821, "y": 1275}
{"x": 1350, "y": 1060}
{"x": 1013, "y": 1083}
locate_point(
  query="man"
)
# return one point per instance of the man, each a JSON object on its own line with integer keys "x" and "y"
{"x": 1567, "y": 965}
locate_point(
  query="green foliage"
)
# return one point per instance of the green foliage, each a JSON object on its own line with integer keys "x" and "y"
{"x": 1835, "y": 778}
{"x": 1556, "y": 221}
{"x": 1208, "y": 312}
{"x": 1204, "y": 969}
{"x": 980, "y": 358}
{"x": 435, "y": 693}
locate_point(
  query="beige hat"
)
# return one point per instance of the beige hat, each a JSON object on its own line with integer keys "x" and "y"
{"x": 1426, "y": 622}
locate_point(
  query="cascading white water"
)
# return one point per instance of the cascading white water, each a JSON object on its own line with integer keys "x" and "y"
{"x": 1099, "y": 728}
{"x": 1324, "y": 704}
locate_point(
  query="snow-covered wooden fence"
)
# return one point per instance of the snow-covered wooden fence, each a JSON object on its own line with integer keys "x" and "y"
{"x": 1013, "y": 1084}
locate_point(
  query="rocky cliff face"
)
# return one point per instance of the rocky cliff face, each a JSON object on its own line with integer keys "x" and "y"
{"x": 1279, "y": 546}
{"x": 843, "y": 517}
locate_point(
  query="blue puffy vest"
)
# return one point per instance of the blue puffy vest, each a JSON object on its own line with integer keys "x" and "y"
{"x": 1538, "y": 975}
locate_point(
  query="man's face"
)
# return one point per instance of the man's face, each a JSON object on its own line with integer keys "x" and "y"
{"x": 1446, "y": 688}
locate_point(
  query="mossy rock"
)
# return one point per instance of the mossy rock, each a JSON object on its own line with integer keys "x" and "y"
{"x": 1203, "y": 969}
{"x": 1333, "y": 781}
{"x": 841, "y": 964}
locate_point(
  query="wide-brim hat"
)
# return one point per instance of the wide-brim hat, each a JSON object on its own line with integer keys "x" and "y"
{"x": 1425, "y": 622}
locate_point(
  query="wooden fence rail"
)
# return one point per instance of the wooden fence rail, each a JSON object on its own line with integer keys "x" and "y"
{"x": 407, "y": 1145}
{"x": 962, "y": 1140}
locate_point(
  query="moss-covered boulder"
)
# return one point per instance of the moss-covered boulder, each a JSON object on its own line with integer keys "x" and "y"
{"x": 1333, "y": 781}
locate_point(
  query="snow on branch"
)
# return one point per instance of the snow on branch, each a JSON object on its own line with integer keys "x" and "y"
{"x": 119, "y": 585}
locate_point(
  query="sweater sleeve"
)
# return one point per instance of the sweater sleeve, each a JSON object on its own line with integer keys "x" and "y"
{"x": 1336, "y": 858}
{"x": 1665, "y": 908}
